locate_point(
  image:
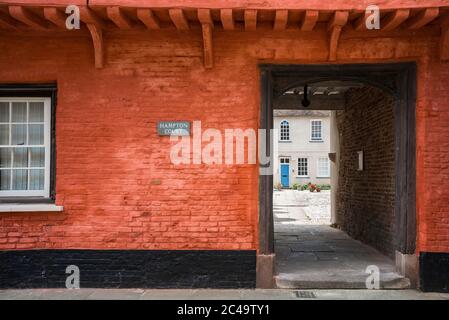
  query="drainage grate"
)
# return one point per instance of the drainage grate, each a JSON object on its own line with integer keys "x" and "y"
{"x": 305, "y": 294}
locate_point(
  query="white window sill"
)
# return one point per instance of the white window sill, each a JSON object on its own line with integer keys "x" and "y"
{"x": 19, "y": 207}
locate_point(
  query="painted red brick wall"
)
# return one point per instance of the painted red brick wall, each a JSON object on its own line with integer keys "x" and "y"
{"x": 114, "y": 177}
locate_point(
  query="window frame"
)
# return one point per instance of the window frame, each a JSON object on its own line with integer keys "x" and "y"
{"x": 47, "y": 92}
{"x": 280, "y": 130}
{"x": 311, "y": 130}
{"x": 307, "y": 167}
{"x": 318, "y": 175}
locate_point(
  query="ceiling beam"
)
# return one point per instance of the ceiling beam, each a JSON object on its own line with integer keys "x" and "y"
{"x": 424, "y": 17}
{"x": 27, "y": 17}
{"x": 119, "y": 18}
{"x": 227, "y": 19}
{"x": 97, "y": 39}
{"x": 394, "y": 19}
{"x": 250, "y": 18}
{"x": 205, "y": 17}
{"x": 148, "y": 18}
{"x": 55, "y": 16}
{"x": 360, "y": 23}
{"x": 179, "y": 19}
{"x": 309, "y": 21}
{"x": 335, "y": 26}
{"x": 280, "y": 20}
{"x": 322, "y": 102}
{"x": 6, "y": 22}
{"x": 90, "y": 17}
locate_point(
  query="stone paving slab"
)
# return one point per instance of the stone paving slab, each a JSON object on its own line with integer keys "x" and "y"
{"x": 216, "y": 294}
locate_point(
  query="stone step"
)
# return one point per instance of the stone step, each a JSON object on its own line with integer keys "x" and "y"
{"x": 391, "y": 281}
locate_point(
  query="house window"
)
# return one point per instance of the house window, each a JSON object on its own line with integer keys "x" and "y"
{"x": 323, "y": 168}
{"x": 25, "y": 147}
{"x": 303, "y": 167}
{"x": 285, "y": 160}
{"x": 285, "y": 131}
{"x": 316, "y": 130}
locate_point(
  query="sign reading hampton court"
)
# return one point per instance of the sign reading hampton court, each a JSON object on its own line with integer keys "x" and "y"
{"x": 173, "y": 128}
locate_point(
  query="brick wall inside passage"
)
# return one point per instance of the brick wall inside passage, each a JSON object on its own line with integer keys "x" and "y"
{"x": 365, "y": 199}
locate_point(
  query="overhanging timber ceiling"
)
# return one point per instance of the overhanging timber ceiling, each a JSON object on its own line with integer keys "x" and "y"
{"x": 230, "y": 15}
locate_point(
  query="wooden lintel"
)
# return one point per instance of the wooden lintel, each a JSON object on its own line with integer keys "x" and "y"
{"x": 97, "y": 39}
{"x": 6, "y": 22}
{"x": 394, "y": 19}
{"x": 335, "y": 26}
{"x": 444, "y": 40}
{"x": 55, "y": 16}
{"x": 250, "y": 18}
{"x": 424, "y": 17}
{"x": 90, "y": 17}
{"x": 227, "y": 19}
{"x": 205, "y": 17}
{"x": 148, "y": 18}
{"x": 179, "y": 19}
{"x": 27, "y": 17}
{"x": 208, "y": 52}
{"x": 119, "y": 18}
{"x": 280, "y": 20}
{"x": 309, "y": 20}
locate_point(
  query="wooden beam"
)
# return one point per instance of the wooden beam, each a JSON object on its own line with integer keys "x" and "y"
{"x": 444, "y": 40}
{"x": 90, "y": 17}
{"x": 250, "y": 18}
{"x": 179, "y": 19}
{"x": 423, "y": 18}
{"x": 227, "y": 19}
{"x": 394, "y": 19}
{"x": 208, "y": 53}
{"x": 27, "y": 17}
{"x": 293, "y": 102}
{"x": 280, "y": 20}
{"x": 205, "y": 17}
{"x": 360, "y": 23}
{"x": 148, "y": 18}
{"x": 335, "y": 26}
{"x": 309, "y": 21}
{"x": 97, "y": 39}
{"x": 55, "y": 16}
{"x": 119, "y": 18}
{"x": 6, "y": 22}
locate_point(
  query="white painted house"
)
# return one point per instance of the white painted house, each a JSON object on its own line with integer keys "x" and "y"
{"x": 301, "y": 147}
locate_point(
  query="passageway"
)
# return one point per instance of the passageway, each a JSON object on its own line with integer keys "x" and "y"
{"x": 319, "y": 256}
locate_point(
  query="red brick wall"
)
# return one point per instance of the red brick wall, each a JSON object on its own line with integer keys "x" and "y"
{"x": 110, "y": 159}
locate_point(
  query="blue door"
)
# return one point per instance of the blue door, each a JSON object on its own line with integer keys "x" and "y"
{"x": 285, "y": 175}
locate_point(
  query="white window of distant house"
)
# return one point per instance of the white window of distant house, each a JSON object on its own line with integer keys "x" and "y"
{"x": 303, "y": 167}
{"x": 25, "y": 147}
{"x": 285, "y": 131}
{"x": 316, "y": 130}
{"x": 323, "y": 168}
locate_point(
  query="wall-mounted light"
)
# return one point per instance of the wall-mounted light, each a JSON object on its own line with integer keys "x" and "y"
{"x": 360, "y": 158}
{"x": 305, "y": 101}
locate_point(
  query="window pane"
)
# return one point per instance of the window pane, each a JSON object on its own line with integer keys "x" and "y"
{"x": 20, "y": 156}
{"x": 5, "y": 179}
{"x": 4, "y": 111}
{"x": 36, "y": 179}
{"x": 4, "y": 134}
{"x": 19, "y": 179}
{"x": 36, "y": 134}
{"x": 19, "y": 112}
{"x": 5, "y": 157}
{"x": 37, "y": 156}
{"x": 18, "y": 134}
{"x": 36, "y": 112}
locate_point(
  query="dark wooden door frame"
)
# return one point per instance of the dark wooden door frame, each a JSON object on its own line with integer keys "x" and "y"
{"x": 398, "y": 79}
